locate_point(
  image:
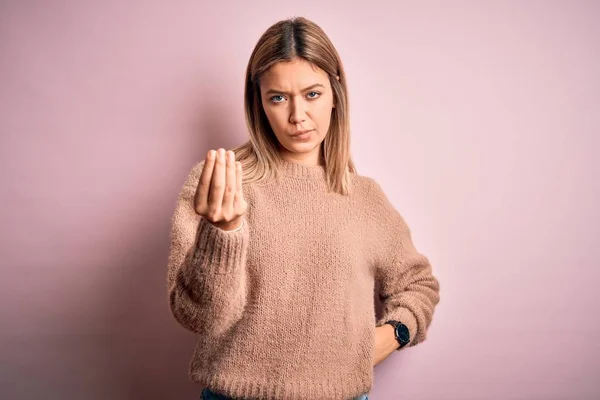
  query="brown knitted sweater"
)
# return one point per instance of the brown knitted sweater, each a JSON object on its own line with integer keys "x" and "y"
{"x": 283, "y": 308}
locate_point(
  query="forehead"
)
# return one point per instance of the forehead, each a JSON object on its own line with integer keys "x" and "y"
{"x": 298, "y": 72}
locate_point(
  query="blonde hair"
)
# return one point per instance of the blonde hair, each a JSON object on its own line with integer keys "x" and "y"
{"x": 284, "y": 41}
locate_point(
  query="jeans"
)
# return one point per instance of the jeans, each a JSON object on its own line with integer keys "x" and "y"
{"x": 207, "y": 394}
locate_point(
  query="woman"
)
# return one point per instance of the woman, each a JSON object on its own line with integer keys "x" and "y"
{"x": 276, "y": 245}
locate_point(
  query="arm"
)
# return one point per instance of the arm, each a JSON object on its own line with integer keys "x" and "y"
{"x": 408, "y": 289}
{"x": 206, "y": 277}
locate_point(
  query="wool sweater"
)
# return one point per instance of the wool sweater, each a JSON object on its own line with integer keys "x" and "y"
{"x": 283, "y": 307}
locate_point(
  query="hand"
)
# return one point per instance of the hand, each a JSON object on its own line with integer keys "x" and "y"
{"x": 219, "y": 197}
{"x": 385, "y": 343}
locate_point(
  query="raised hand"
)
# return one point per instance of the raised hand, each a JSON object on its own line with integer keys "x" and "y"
{"x": 219, "y": 197}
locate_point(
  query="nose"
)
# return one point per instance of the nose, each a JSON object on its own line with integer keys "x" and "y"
{"x": 298, "y": 111}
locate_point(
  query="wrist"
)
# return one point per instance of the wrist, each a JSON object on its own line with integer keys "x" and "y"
{"x": 230, "y": 225}
{"x": 390, "y": 337}
{"x": 401, "y": 333}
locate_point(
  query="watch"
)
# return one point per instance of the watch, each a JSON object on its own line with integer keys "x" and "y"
{"x": 401, "y": 332}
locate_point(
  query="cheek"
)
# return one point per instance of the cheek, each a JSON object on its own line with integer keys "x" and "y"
{"x": 323, "y": 115}
{"x": 276, "y": 119}
{"x": 269, "y": 113}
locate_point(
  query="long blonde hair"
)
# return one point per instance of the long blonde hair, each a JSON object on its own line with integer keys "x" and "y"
{"x": 285, "y": 40}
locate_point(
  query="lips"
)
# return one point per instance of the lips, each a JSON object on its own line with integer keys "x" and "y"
{"x": 297, "y": 133}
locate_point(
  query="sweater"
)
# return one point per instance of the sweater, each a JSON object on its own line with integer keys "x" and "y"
{"x": 283, "y": 307}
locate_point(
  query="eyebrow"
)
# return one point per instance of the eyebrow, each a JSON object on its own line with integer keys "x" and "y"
{"x": 303, "y": 90}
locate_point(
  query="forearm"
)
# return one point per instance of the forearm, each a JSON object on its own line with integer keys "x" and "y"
{"x": 207, "y": 291}
{"x": 385, "y": 343}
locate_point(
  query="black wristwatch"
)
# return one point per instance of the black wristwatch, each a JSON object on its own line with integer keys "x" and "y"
{"x": 401, "y": 332}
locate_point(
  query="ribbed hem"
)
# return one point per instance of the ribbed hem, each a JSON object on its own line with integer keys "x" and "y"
{"x": 289, "y": 168}
{"x": 405, "y": 316}
{"x": 237, "y": 387}
{"x": 220, "y": 251}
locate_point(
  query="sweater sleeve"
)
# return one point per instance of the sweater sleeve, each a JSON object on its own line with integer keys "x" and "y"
{"x": 408, "y": 289}
{"x": 206, "y": 277}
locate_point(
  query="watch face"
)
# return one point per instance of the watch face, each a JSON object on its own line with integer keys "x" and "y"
{"x": 402, "y": 333}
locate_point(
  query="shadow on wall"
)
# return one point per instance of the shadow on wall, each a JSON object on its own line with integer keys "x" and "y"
{"x": 144, "y": 353}
{"x": 128, "y": 346}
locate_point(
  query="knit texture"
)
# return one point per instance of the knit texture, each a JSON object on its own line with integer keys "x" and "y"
{"x": 283, "y": 307}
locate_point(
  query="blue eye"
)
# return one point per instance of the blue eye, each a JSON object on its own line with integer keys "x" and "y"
{"x": 272, "y": 98}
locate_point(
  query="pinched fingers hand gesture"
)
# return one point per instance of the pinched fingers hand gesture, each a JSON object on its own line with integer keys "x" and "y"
{"x": 219, "y": 196}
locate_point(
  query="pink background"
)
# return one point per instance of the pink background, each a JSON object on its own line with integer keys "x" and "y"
{"x": 480, "y": 119}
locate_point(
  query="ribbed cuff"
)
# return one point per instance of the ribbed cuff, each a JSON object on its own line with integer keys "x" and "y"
{"x": 219, "y": 251}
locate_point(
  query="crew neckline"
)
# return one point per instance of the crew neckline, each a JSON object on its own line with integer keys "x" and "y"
{"x": 293, "y": 169}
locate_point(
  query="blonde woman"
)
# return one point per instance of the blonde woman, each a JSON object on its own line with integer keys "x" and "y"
{"x": 276, "y": 245}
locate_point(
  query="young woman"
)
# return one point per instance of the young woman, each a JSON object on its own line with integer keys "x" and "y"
{"x": 276, "y": 245}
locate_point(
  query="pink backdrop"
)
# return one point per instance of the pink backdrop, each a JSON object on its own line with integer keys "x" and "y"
{"x": 479, "y": 118}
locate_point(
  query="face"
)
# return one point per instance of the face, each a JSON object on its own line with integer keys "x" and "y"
{"x": 297, "y": 96}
